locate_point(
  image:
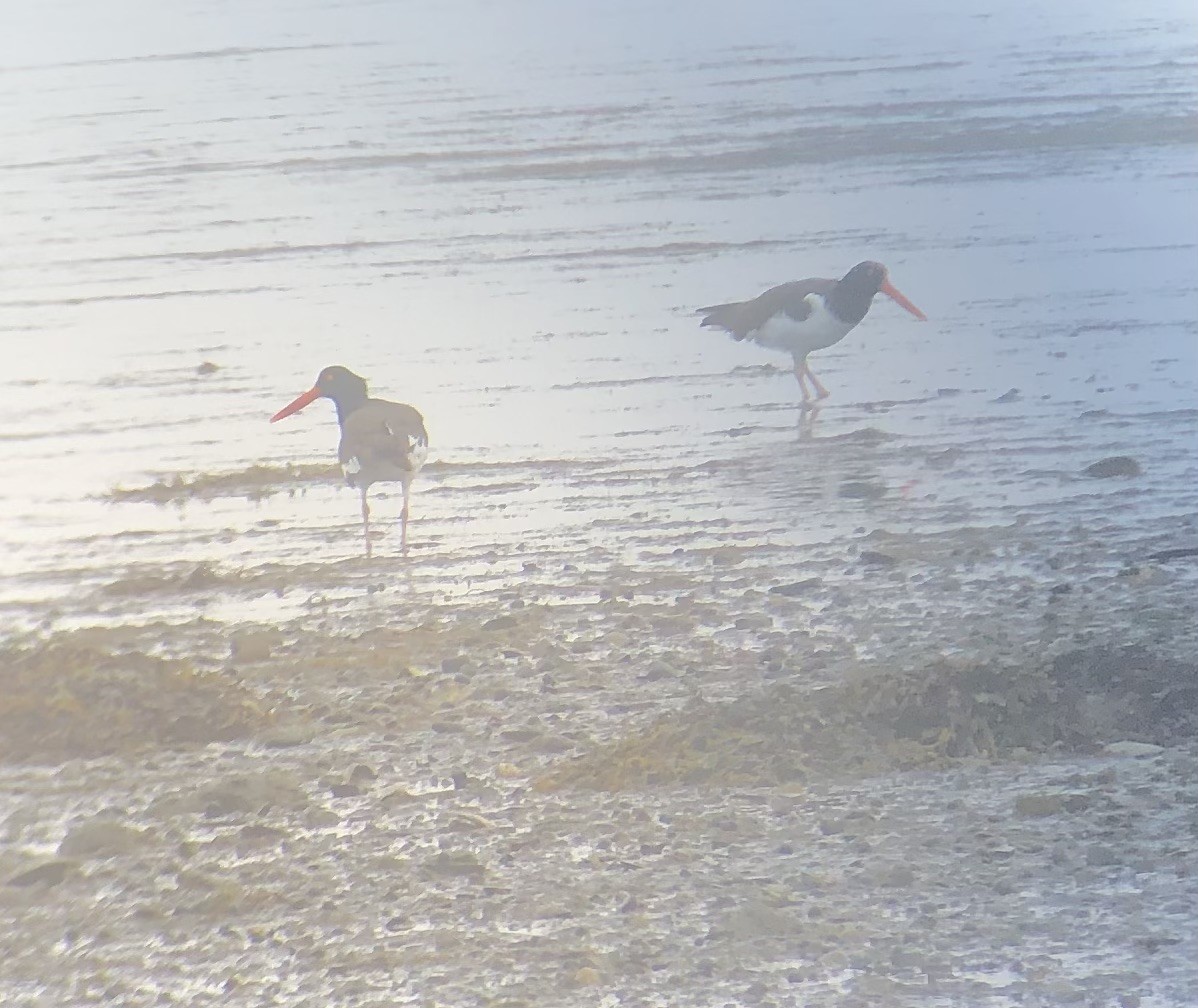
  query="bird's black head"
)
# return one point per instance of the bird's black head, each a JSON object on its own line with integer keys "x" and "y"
{"x": 852, "y": 296}
{"x": 346, "y": 389}
{"x": 869, "y": 278}
{"x": 866, "y": 277}
{"x": 341, "y": 384}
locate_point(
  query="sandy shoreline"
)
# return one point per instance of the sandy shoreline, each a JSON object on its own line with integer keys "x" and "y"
{"x": 613, "y": 783}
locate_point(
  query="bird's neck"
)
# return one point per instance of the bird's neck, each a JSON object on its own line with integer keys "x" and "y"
{"x": 850, "y": 301}
{"x": 346, "y": 404}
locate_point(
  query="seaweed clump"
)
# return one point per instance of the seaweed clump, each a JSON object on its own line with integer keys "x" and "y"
{"x": 61, "y": 701}
{"x": 254, "y": 483}
{"x": 878, "y": 721}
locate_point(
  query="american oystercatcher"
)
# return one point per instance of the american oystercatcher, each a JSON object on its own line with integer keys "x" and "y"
{"x": 806, "y": 315}
{"x": 380, "y": 440}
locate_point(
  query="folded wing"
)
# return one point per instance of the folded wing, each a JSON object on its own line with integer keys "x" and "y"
{"x": 740, "y": 319}
{"x": 382, "y": 440}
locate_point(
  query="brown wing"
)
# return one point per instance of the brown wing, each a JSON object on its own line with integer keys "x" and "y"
{"x": 381, "y": 433}
{"x": 740, "y": 318}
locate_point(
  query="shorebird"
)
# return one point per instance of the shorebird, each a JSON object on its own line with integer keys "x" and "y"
{"x": 806, "y": 315}
{"x": 380, "y": 440}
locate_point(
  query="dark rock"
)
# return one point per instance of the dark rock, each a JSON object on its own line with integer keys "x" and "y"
{"x": 861, "y": 490}
{"x": 1116, "y": 465}
{"x": 1180, "y": 553}
{"x": 1102, "y": 857}
{"x": 875, "y": 558}
{"x": 260, "y": 833}
{"x": 245, "y": 793}
{"x": 99, "y": 838}
{"x": 1039, "y": 805}
{"x": 253, "y": 645}
{"x": 1011, "y": 395}
{"x": 48, "y": 873}
{"x": 284, "y": 736}
{"x": 796, "y": 588}
{"x": 362, "y": 773}
{"x": 450, "y": 863}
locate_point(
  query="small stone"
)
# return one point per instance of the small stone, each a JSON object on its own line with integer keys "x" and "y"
{"x": 48, "y": 873}
{"x": 247, "y": 646}
{"x": 1178, "y": 553}
{"x": 450, "y": 863}
{"x": 284, "y": 736}
{"x": 1102, "y": 857}
{"x": 796, "y": 588}
{"x": 243, "y": 793}
{"x": 1127, "y": 748}
{"x": 260, "y": 833}
{"x": 1010, "y": 396}
{"x": 658, "y": 670}
{"x": 1039, "y": 805}
{"x": 400, "y": 795}
{"x": 99, "y": 838}
{"x": 1116, "y": 465}
{"x": 875, "y": 558}
{"x": 207, "y": 368}
{"x": 588, "y": 976}
{"x": 362, "y": 774}
{"x": 861, "y": 490}
{"x": 893, "y": 876}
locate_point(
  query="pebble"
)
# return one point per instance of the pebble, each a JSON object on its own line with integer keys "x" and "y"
{"x": 1135, "y": 749}
{"x": 796, "y": 588}
{"x": 1040, "y": 804}
{"x": 99, "y": 838}
{"x": 46, "y": 874}
{"x": 1116, "y": 465}
{"x": 246, "y": 646}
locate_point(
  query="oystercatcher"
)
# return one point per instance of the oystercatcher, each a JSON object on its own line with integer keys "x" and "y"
{"x": 806, "y": 315}
{"x": 380, "y": 440}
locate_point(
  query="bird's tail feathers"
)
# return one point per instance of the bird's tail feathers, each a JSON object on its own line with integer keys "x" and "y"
{"x": 721, "y": 316}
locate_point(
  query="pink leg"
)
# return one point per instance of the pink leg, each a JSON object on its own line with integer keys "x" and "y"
{"x": 403, "y": 518}
{"x": 820, "y": 391}
{"x": 800, "y": 370}
{"x": 365, "y": 521}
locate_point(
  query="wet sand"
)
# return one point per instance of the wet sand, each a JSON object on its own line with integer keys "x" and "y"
{"x": 659, "y": 780}
{"x": 682, "y": 696}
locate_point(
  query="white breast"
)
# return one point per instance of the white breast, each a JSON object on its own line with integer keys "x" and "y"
{"x": 818, "y": 330}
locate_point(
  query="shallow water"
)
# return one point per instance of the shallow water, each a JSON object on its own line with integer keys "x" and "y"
{"x": 513, "y": 238}
{"x": 510, "y": 227}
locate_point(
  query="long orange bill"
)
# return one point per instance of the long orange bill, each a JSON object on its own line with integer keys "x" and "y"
{"x": 895, "y": 294}
{"x": 298, "y": 404}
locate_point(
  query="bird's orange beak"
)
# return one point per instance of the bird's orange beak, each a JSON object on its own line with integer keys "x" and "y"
{"x": 894, "y": 294}
{"x": 297, "y": 404}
